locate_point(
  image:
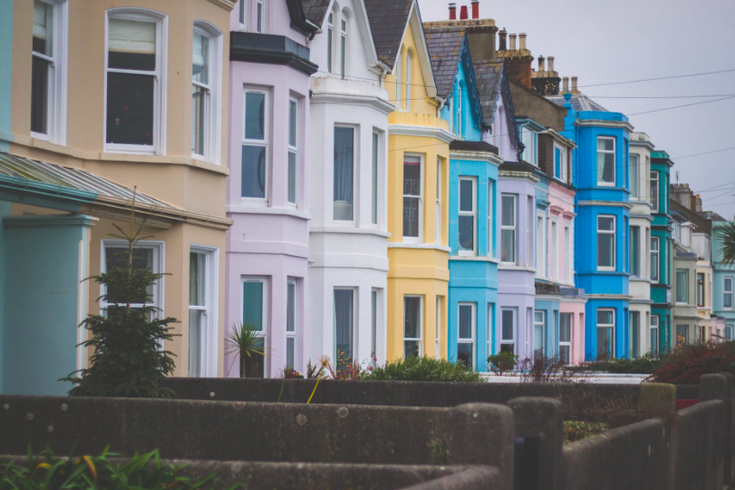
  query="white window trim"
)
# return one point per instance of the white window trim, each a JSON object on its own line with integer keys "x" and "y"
{"x": 210, "y": 341}
{"x": 686, "y": 289}
{"x": 542, "y": 323}
{"x": 213, "y": 117}
{"x": 57, "y": 83}
{"x": 265, "y": 331}
{"x": 473, "y": 330}
{"x": 295, "y": 151}
{"x": 420, "y": 338}
{"x": 355, "y": 176}
{"x": 295, "y": 333}
{"x": 473, "y": 214}
{"x": 598, "y": 326}
{"x": 614, "y": 150}
{"x": 541, "y": 244}
{"x": 160, "y": 90}
{"x": 514, "y": 227}
{"x": 608, "y": 232}
{"x": 265, "y": 142}
{"x": 420, "y": 238}
{"x": 514, "y": 332}
{"x": 726, "y": 292}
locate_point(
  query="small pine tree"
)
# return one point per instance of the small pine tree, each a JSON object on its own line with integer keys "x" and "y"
{"x": 127, "y": 359}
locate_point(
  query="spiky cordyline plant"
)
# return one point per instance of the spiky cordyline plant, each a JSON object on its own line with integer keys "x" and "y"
{"x": 127, "y": 359}
{"x": 727, "y": 235}
{"x": 246, "y": 342}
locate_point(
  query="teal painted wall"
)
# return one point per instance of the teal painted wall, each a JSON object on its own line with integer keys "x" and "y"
{"x": 42, "y": 291}
{"x": 6, "y": 61}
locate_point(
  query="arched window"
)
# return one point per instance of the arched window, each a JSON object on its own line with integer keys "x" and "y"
{"x": 399, "y": 79}
{"x": 409, "y": 79}
{"x": 343, "y": 43}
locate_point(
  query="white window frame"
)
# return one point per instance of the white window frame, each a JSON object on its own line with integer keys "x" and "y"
{"x": 567, "y": 343}
{"x": 542, "y": 324}
{"x": 685, "y": 291}
{"x": 513, "y": 228}
{"x": 160, "y": 79}
{"x": 438, "y": 211}
{"x": 599, "y": 326}
{"x": 208, "y": 340}
{"x": 265, "y": 142}
{"x": 409, "y": 79}
{"x": 57, "y": 77}
{"x": 655, "y": 196}
{"x": 541, "y": 243}
{"x": 213, "y": 98}
{"x": 420, "y": 338}
{"x": 728, "y": 292}
{"x": 491, "y": 218}
{"x": 293, "y": 150}
{"x": 613, "y": 152}
{"x": 261, "y": 25}
{"x": 514, "y": 330}
{"x": 554, "y": 225}
{"x": 654, "y": 349}
{"x": 420, "y": 238}
{"x": 264, "y": 333}
{"x": 293, "y": 334}
{"x": 473, "y": 214}
{"x": 614, "y": 242}
{"x": 473, "y": 330}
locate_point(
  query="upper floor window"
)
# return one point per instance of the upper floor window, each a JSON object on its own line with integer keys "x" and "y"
{"x": 255, "y": 144}
{"x": 508, "y": 228}
{"x": 344, "y": 173}
{"x": 409, "y": 79}
{"x": 654, "y": 191}
{"x": 633, "y": 163}
{"x": 727, "y": 293}
{"x": 136, "y": 74}
{"x": 412, "y": 199}
{"x": 605, "y": 161}
{"x": 48, "y": 70}
{"x": 467, "y": 216}
{"x": 606, "y": 242}
{"x": 204, "y": 92}
{"x": 330, "y": 42}
{"x": 293, "y": 150}
{"x": 343, "y": 45}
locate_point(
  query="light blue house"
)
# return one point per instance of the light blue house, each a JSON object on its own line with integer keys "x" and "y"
{"x": 473, "y": 201}
{"x": 602, "y": 222}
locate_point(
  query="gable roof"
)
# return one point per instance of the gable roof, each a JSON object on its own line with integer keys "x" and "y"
{"x": 388, "y": 21}
{"x": 316, "y": 10}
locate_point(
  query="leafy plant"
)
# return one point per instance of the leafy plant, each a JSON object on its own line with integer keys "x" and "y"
{"x": 245, "y": 341}
{"x": 141, "y": 472}
{"x": 423, "y": 369}
{"x": 727, "y": 234}
{"x": 127, "y": 359}
{"x": 688, "y": 362}
{"x": 502, "y": 362}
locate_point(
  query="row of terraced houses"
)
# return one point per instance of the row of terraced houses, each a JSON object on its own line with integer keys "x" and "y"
{"x": 348, "y": 180}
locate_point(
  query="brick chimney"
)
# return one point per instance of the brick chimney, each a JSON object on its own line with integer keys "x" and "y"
{"x": 463, "y": 13}
{"x": 517, "y": 61}
{"x": 545, "y": 81}
{"x": 452, "y": 11}
{"x": 475, "y": 9}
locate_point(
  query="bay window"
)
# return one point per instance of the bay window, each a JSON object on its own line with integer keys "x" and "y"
{"x": 412, "y": 199}
{"x": 254, "y": 314}
{"x": 605, "y": 161}
{"x": 467, "y": 326}
{"x": 606, "y": 242}
{"x": 508, "y": 228}
{"x": 467, "y": 216}
{"x": 344, "y": 173}
{"x": 605, "y": 334}
{"x": 255, "y": 144}
{"x": 412, "y": 326}
{"x": 136, "y": 76}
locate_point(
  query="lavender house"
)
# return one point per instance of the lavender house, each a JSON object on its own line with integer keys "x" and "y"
{"x": 267, "y": 193}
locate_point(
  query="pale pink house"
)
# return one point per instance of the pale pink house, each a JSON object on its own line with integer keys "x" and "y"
{"x": 267, "y": 192}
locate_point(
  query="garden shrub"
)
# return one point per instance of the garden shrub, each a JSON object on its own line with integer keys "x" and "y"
{"x": 423, "y": 369}
{"x": 689, "y": 362}
{"x": 141, "y": 472}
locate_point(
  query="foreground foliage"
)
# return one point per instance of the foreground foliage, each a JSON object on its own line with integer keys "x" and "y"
{"x": 141, "y": 472}
{"x": 688, "y": 362}
{"x": 423, "y": 369}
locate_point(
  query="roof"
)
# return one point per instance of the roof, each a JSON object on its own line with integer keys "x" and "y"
{"x": 388, "y": 20}
{"x": 316, "y": 10}
{"x": 445, "y": 48}
{"x": 580, "y": 102}
{"x": 489, "y": 77}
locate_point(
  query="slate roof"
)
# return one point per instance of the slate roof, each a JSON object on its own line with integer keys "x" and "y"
{"x": 580, "y": 102}
{"x": 488, "y": 75}
{"x": 388, "y": 19}
{"x": 316, "y": 10}
{"x": 445, "y": 46}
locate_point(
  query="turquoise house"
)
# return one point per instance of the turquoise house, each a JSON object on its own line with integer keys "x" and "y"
{"x": 661, "y": 248}
{"x": 473, "y": 201}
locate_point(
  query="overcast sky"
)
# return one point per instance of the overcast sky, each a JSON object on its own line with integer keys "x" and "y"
{"x": 603, "y": 42}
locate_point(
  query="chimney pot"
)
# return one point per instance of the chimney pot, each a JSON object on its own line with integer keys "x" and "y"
{"x": 502, "y": 35}
{"x": 551, "y": 64}
{"x": 574, "y": 85}
{"x": 522, "y": 39}
{"x": 512, "y": 42}
{"x": 565, "y": 81}
{"x": 452, "y": 11}
{"x": 475, "y": 9}
{"x": 463, "y": 12}
{"x": 541, "y": 65}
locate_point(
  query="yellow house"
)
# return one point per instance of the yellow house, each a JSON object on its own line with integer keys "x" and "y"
{"x": 418, "y": 169}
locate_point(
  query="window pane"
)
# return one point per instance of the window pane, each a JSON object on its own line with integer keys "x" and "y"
{"x": 508, "y": 211}
{"x": 198, "y": 112}
{"x": 254, "y": 116}
{"x": 253, "y": 171}
{"x": 42, "y": 27}
{"x": 292, "y": 122}
{"x": 130, "y": 109}
{"x": 197, "y": 279}
{"x": 465, "y": 354}
{"x": 252, "y": 305}
{"x": 466, "y": 199}
{"x": 465, "y": 322}
{"x": 467, "y": 233}
{"x": 131, "y": 45}
{"x": 411, "y": 327}
{"x": 118, "y": 257}
{"x": 200, "y": 61}
{"x": 39, "y": 95}
{"x": 343, "y": 319}
{"x": 343, "y": 173}
{"x": 292, "y": 177}
{"x": 507, "y": 321}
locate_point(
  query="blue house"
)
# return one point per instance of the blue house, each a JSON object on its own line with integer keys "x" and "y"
{"x": 473, "y": 200}
{"x": 602, "y": 221}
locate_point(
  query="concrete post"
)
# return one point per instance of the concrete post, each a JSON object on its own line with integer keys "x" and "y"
{"x": 482, "y": 434}
{"x": 542, "y": 418}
